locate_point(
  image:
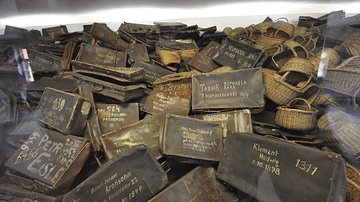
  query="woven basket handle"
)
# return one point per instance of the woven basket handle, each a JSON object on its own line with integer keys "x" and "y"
{"x": 293, "y": 101}
{"x": 343, "y": 64}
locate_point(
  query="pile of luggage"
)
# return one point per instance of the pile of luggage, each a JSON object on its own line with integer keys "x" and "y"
{"x": 171, "y": 112}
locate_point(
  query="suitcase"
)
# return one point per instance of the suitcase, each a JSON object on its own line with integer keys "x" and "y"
{"x": 108, "y": 85}
{"x": 103, "y": 32}
{"x": 146, "y": 131}
{"x": 175, "y": 84}
{"x": 151, "y": 71}
{"x": 237, "y": 121}
{"x": 132, "y": 175}
{"x": 158, "y": 102}
{"x": 65, "y": 112}
{"x": 122, "y": 74}
{"x": 138, "y": 52}
{"x": 101, "y": 56}
{"x": 228, "y": 90}
{"x": 48, "y": 161}
{"x": 199, "y": 184}
{"x": 191, "y": 140}
{"x": 239, "y": 55}
{"x": 281, "y": 171}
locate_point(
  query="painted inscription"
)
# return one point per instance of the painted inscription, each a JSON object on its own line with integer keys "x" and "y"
{"x": 197, "y": 139}
{"x": 46, "y": 158}
{"x": 224, "y": 89}
{"x": 267, "y": 159}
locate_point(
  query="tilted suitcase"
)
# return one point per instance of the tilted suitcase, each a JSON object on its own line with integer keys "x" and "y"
{"x": 146, "y": 131}
{"x": 281, "y": 171}
{"x": 103, "y": 32}
{"x": 239, "y": 55}
{"x": 199, "y": 184}
{"x": 100, "y": 55}
{"x": 65, "y": 112}
{"x": 48, "y": 161}
{"x": 132, "y": 175}
{"x": 191, "y": 140}
{"x": 151, "y": 71}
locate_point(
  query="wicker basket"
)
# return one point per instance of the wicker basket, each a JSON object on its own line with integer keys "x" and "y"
{"x": 350, "y": 47}
{"x": 296, "y": 116}
{"x": 239, "y": 34}
{"x": 353, "y": 184}
{"x": 277, "y": 89}
{"x": 281, "y": 30}
{"x": 267, "y": 42}
{"x": 345, "y": 78}
{"x": 300, "y": 65}
{"x": 333, "y": 56}
{"x": 345, "y": 128}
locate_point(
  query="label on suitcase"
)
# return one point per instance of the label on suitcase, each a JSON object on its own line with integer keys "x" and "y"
{"x": 200, "y": 184}
{"x": 237, "y": 121}
{"x": 228, "y": 90}
{"x": 281, "y": 171}
{"x": 47, "y": 156}
{"x": 101, "y": 55}
{"x": 146, "y": 131}
{"x": 158, "y": 102}
{"x": 191, "y": 138}
{"x": 132, "y": 175}
{"x": 239, "y": 55}
{"x": 151, "y": 72}
{"x": 211, "y": 49}
{"x": 114, "y": 116}
{"x": 66, "y": 112}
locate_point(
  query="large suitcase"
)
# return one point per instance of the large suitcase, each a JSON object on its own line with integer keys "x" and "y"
{"x": 228, "y": 90}
{"x": 48, "y": 161}
{"x": 271, "y": 170}
{"x": 132, "y": 175}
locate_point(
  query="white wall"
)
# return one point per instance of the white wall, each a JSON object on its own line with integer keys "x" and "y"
{"x": 47, "y": 13}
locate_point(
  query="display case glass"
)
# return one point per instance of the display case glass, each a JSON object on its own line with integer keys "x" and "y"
{"x": 179, "y": 100}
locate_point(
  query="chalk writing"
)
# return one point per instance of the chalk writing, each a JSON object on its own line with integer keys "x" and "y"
{"x": 267, "y": 158}
{"x": 305, "y": 166}
{"x": 193, "y": 139}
